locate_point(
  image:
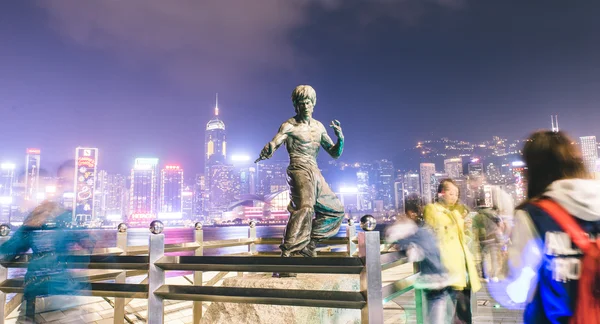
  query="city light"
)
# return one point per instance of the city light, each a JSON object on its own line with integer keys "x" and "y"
{"x": 33, "y": 151}
{"x": 240, "y": 158}
{"x": 6, "y": 200}
{"x": 146, "y": 161}
{"x": 50, "y": 189}
{"x": 348, "y": 189}
{"x": 518, "y": 164}
{"x": 8, "y": 166}
{"x": 172, "y": 167}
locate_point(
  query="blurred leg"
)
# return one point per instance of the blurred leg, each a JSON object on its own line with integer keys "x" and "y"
{"x": 463, "y": 307}
{"x": 438, "y": 311}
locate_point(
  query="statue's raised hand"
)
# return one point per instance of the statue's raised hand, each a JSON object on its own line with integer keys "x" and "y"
{"x": 266, "y": 153}
{"x": 337, "y": 128}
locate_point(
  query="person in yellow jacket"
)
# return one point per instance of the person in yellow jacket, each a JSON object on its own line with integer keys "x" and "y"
{"x": 448, "y": 224}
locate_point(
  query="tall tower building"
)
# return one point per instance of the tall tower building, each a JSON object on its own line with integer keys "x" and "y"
{"x": 171, "y": 189}
{"x": 143, "y": 189}
{"x": 399, "y": 196}
{"x": 201, "y": 196}
{"x": 384, "y": 183}
{"x": 187, "y": 202}
{"x": 86, "y": 162}
{"x": 100, "y": 195}
{"x": 32, "y": 173}
{"x": 7, "y": 179}
{"x": 215, "y": 145}
{"x": 412, "y": 183}
{"x": 453, "y": 167}
{"x": 589, "y": 151}
{"x": 427, "y": 172}
{"x": 116, "y": 194}
{"x": 224, "y": 186}
{"x": 364, "y": 190}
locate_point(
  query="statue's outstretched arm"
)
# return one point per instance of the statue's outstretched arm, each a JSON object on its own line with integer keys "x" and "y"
{"x": 275, "y": 143}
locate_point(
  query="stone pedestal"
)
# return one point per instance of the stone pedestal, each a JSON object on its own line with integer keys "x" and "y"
{"x": 227, "y": 313}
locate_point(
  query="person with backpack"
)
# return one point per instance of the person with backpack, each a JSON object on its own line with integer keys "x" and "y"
{"x": 554, "y": 254}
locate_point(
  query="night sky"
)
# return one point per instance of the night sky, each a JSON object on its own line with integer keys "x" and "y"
{"x": 139, "y": 77}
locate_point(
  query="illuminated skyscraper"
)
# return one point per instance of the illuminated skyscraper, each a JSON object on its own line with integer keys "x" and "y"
{"x": 364, "y": 190}
{"x": 475, "y": 168}
{"x": 116, "y": 197}
{"x": 272, "y": 177}
{"x": 427, "y": 171}
{"x": 100, "y": 195}
{"x": 247, "y": 180}
{"x": 171, "y": 203}
{"x": 399, "y": 196}
{"x": 7, "y": 179}
{"x": 411, "y": 183}
{"x": 589, "y": 152}
{"x": 143, "y": 189}
{"x": 453, "y": 167}
{"x": 201, "y": 196}
{"x": 215, "y": 145}
{"x": 32, "y": 175}
{"x": 187, "y": 202}
{"x": 519, "y": 171}
{"x": 86, "y": 161}
{"x": 384, "y": 183}
{"x": 224, "y": 186}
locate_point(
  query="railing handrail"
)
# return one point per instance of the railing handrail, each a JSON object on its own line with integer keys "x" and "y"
{"x": 122, "y": 258}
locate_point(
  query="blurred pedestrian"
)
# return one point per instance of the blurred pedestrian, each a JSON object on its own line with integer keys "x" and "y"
{"x": 448, "y": 225}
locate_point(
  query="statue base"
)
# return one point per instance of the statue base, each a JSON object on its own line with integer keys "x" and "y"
{"x": 226, "y": 313}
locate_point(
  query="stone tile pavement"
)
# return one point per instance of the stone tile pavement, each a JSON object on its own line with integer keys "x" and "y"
{"x": 99, "y": 311}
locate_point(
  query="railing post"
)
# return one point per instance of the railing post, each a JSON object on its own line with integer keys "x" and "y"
{"x": 420, "y": 302}
{"x": 156, "y": 275}
{"x": 199, "y": 238}
{"x": 252, "y": 236}
{"x": 370, "y": 277}
{"x": 4, "y": 231}
{"x": 119, "y": 311}
{"x": 351, "y": 234}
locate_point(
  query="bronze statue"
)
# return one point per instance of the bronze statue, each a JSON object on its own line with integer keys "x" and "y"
{"x": 309, "y": 192}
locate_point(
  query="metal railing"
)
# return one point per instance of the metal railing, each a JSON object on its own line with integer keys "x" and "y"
{"x": 125, "y": 261}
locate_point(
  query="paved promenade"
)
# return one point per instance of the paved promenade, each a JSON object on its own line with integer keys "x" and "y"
{"x": 99, "y": 311}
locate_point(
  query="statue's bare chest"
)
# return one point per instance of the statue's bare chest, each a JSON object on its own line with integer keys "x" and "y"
{"x": 306, "y": 134}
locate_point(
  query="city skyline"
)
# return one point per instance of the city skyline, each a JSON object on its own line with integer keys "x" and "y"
{"x": 142, "y": 82}
{"x": 236, "y": 158}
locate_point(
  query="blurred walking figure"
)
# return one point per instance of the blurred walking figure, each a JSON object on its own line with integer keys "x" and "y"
{"x": 46, "y": 232}
{"x": 420, "y": 244}
{"x": 552, "y": 228}
{"x": 490, "y": 229}
{"x": 448, "y": 225}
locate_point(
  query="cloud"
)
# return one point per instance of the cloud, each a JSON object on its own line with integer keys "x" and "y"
{"x": 197, "y": 43}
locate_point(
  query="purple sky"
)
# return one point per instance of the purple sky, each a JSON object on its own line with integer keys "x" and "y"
{"x": 138, "y": 78}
